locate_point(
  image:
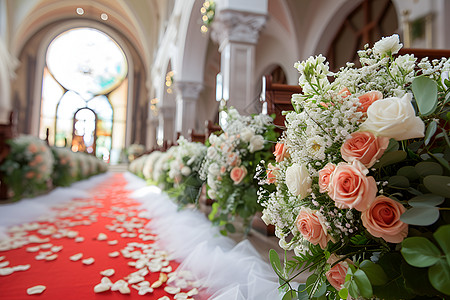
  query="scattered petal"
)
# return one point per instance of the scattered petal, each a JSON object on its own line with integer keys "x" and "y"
{"x": 88, "y": 261}
{"x": 172, "y": 290}
{"x": 108, "y": 272}
{"x": 38, "y": 289}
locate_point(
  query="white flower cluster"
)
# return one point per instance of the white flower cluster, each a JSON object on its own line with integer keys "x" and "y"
{"x": 324, "y": 117}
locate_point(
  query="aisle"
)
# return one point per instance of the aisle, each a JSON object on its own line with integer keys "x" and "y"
{"x": 67, "y": 250}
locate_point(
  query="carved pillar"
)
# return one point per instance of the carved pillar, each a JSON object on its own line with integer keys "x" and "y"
{"x": 237, "y": 33}
{"x": 166, "y": 128}
{"x": 152, "y": 126}
{"x": 187, "y": 95}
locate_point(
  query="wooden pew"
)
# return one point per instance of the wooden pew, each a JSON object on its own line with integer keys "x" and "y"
{"x": 278, "y": 99}
{"x": 421, "y": 53}
{"x": 196, "y": 137}
{"x": 210, "y": 127}
{"x": 7, "y": 131}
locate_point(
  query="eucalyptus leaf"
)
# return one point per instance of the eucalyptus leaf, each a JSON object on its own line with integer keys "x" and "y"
{"x": 425, "y": 92}
{"x": 426, "y": 200}
{"x": 275, "y": 262}
{"x": 374, "y": 272}
{"x": 431, "y": 130}
{"x": 441, "y": 160}
{"x": 363, "y": 283}
{"x": 439, "y": 185}
{"x": 442, "y": 236}
{"x": 439, "y": 276}
{"x": 420, "y": 252}
{"x": 421, "y": 216}
{"x": 392, "y": 146}
{"x": 302, "y": 293}
{"x": 343, "y": 293}
{"x": 398, "y": 181}
{"x": 391, "y": 158}
{"x": 290, "y": 295}
{"x": 353, "y": 289}
{"x": 426, "y": 168}
{"x": 409, "y": 172}
{"x": 447, "y": 98}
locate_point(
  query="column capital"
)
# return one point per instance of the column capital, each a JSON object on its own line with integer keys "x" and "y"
{"x": 188, "y": 89}
{"x": 237, "y": 26}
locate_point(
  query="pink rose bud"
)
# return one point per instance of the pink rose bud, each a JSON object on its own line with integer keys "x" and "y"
{"x": 365, "y": 147}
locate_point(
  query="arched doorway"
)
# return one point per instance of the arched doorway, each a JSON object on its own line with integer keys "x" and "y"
{"x": 85, "y": 77}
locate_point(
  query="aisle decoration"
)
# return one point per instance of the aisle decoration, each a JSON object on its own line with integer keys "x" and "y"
{"x": 184, "y": 167}
{"x": 230, "y": 166}
{"x": 28, "y": 167}
{"x": 134, "y": 151}
{"x": 362, "y": 179}
{"x": 65, "y": 169}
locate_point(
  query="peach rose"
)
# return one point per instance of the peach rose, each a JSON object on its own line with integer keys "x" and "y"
{"x": 237, "y": 174}
{"x": 382, "y": 220}
{"x": 32, "y": 148}
{"x": 344, "y": 93}
{"x": 29, "y": 174}
{"x": 336, "y": 275}
{"x": 311, "y": 224}
{"x": 271, "y": 173}
{"x": 350, "y": 187}
{"x": 324, "y": 177}
{"x": 365, "y": 147}
{"x": 367, "y": 99}
{"x": 280, "y": 152}
{"x": 233, "y": 159}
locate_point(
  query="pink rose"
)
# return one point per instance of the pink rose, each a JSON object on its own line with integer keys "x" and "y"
{"x": 382, "y": 220}
{"x": 344, "y": 93}
{"x": 367, "y": 99}
{"x": 233, "y": 159}
{"x": 32, "y": 148}
{"x": 365, "y": 147}
{"x": 280, "y": 152}
{"x": 237, "y": 174}
{"x": 324, "y": 177}
{"x": 350, "y": 187}
{"x": 311, "y": 224}
{"x": 336, "y": 275}
{"x": 271, "y": 173}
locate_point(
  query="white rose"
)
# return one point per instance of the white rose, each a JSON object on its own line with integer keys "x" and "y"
{"x": 298, "y": 180}
{"x": 394, "y": 118}
{"x": 387, "y": 45}
{"x": 247, "y": 134}
{"x": 256, "y": 143}
{"x": 185, "y": 171}
{"x": 266, "y": 218}
{"x": 211, "y": 182}
{"x": 213, "y": 169}
{"x": 211, "y": 152}
{"x": 212, "y": 194}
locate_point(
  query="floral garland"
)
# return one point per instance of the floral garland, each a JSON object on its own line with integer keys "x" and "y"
{"x": 230, "y": 165}
{"x": 361, "y": 178}
{"x": 28, "y": 167}
{"x": 65, "y": 169}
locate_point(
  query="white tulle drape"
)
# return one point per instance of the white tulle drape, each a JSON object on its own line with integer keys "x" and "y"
{"x": 229, "y": 271}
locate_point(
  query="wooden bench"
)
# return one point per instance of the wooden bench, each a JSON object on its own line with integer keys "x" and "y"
{"x": 421, "y": 53}
{"x": 7, "y": 132}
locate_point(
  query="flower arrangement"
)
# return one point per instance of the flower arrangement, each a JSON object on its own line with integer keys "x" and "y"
{"x": 134, "y": 151}
{"x": 149, "y": 165}
{"x": 184, "y": 170}
{"x": 230, "y": 166}
{"x": 361, "y": 179}
{"x": 28, "y": 167}
{"x": 65, "y": 169}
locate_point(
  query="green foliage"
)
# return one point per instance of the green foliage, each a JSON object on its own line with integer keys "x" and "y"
{"x": 425, "y": 93}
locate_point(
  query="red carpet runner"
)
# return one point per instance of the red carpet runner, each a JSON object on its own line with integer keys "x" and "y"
{"x": 110, "y": 228}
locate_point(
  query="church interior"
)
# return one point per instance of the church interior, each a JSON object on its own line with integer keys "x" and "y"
{"x": 92, "y": 92}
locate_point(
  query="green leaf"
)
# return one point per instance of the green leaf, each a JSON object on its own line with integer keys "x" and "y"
{"x": 426, "y": 168}
{"x": 425, "y": 92}
{"x": 363, "y": 283}
{"x": 417, "y": 280}
{"x": 392, "y": 146}
{"x": 230, "y": 228}
{"x": 275, "y": 262}
{"x": 439, "y": 185}
{"x": 390, "y": 158}
{"x": 421, "y": 216}
{"x": 395, "y": 288}
{"x": 420, "y": 252}
{"x": 426, "y": 200}
{"x": 291, "y": 294}
{"x": 374, "y": 272}
{"x": 431, "y": 130}
{"x": 441, "y": 160}
{"x": 409, "y": 172}
{"x": 302, "y": 293}
{"x": 398, "y": 181}
{"x": 353, "y": 289}
{"x": 442, "y": 236}
{"x": 439, "y": 276}
{"x": 343, "y": 293}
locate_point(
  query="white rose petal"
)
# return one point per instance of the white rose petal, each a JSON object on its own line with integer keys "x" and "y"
{"x": 298, "y": 180}
{"x": 394, "y": 118}
{"x": 247, "y": 134}
{"x": 387, "y": 45}
{"x": 256, "y": 143}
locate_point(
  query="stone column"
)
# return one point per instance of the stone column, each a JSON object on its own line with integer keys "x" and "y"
{"x": 186, "y": 114}
{"x": 166, "y": 124}
{"x": 237, "y": 33}
{"x": 152, "y": 126}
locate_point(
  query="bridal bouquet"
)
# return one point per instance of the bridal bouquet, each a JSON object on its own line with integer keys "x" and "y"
{"x": 230, "y": 164}
{"x": 28, "y": 167}
{"x": 362, "y": 179}
{"x": 184, "y": 170}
